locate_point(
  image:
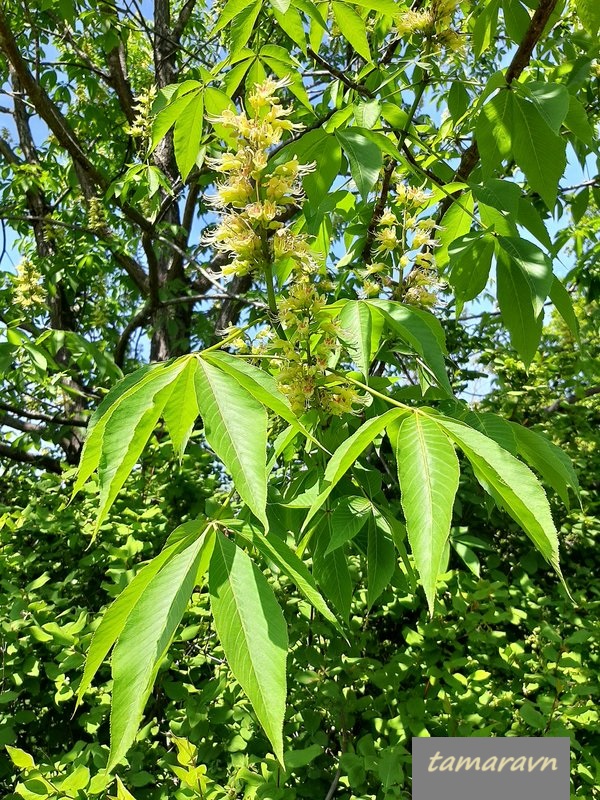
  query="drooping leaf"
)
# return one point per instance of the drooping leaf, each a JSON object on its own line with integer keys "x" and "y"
{"x": 357, "y": 323}
{"x": 146, "y": 637}
{"x": 564, "y": 305}
{"x": 589, "y": 14}
{"x": 550, "y": 461}
{"x": 253, "y": 633}
{"x": 114, "y": 619}
{"x": 513, "y": 484}
{"x": 534, "y": 265}
{"x": 470, "y": 264}
{"x": 456, "y": 222}
{"x": 494, "y": 131}
{"x": 484, "y": 29}
{"x": 428, "y": 472}
{"x": 276, "y": 550}
{"x": 347, "y": 453}
{"x": 551, "y": 100}
{"x": 235, "y": 426}
{"x": 364, "y": 157}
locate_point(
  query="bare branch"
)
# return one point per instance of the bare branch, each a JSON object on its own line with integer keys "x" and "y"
{"x": 23, "y": 457}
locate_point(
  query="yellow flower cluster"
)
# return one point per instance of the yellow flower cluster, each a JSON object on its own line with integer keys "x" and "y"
{"x": 142, "y": 124}
{"x": 251, "y": 199}
{"x": 28, "y": 290}
{"x": 404, "y": 239}
{"x": 253, "y": 195}
{"x": 431, "y": 22}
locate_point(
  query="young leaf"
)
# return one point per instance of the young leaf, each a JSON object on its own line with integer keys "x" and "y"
{"x": 428, "y": 472}
{"x": 381, "y": 560}
{"x": 235, "y": 426}
{"x": 181, "y": 409}
{"x": 513, "y": 484}
{"x": 253, "y": 633}
{"x": 347, "y": 453}
{"x": 364, "y": 157}
{"x": 146, "y": 637}
{"x": 352, "y": 27}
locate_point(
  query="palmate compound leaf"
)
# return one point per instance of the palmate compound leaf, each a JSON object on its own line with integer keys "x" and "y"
{"x": 512, "y": 484}
{"x": 428, "y": 473}
{"x": 147, "y": 633}
{"x": 253, "y": 633}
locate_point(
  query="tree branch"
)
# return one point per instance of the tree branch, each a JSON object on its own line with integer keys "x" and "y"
{"x": 23, "y": 457}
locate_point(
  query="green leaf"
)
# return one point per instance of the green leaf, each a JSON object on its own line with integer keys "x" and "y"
{"x": 20, "y": 758}
{"x": 428, "y": 472}
{"x": 588, "y": 12}
{"x": 535, "y": 266}
{"x": 484, "y": 29}
{"x": 513, "y": 484}
{"x": 497, "y": 428}
{"x": 290, "y": 22}
{"x": 516, "y": 19}
{"x": 347, "y": 453}
{"x": 538, "y": 150}
{"x": 282, "y": 6}
{"x": 357, "y": 323}
{"x": 577, "y": 121}
{"x": 364, "y": 157}
{"x": 253, "y": 633}
{"x": 494, "y": 131}
{"x": 116, "y": 439}
{"x": 188, "y": 133}
{"x": 352, "y": 27}
{"x": 388, "y": 7}
{"x": 122, "y": 792}
{"x": 115, "y": 617}
{"x": 423, "y": 332}
{"x": 516, "y": 307}
{"x": 146, "y": 637}
{"x": 168, "y": 116}
{"x": 260, "y": 384}
{"x": 551, "y": 100}
{"x": 564, "y": 305}
{"x": 242, "y": 26}
{"x": 381, "y": 561}
{"x": 455, "y": 223}
{"x": 231, "y": 10}
{"x": 235, "y": 426}
{"x": 530, "y": 218}
{"x": 470, "y": 263}
{"x": 331, "y": 569}
{"x": 274, "y": 549}
{"x": 367, "y": 113}
{"x": 348, "y": 517}
{"x": 181, "y": 409}
{"x": 550, "y": 461}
